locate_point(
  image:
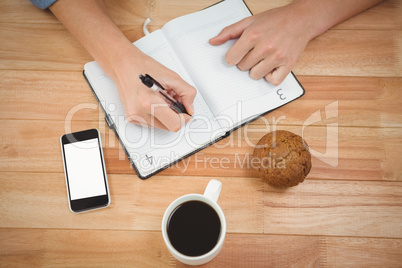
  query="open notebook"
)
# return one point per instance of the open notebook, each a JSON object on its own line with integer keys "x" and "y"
{"x": 226, "y": 97}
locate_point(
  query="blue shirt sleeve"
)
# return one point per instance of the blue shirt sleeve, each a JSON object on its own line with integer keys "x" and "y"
{"x": 43, "y": 4}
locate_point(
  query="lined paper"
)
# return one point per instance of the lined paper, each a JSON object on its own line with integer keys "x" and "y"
{"x": 226, "y": 97}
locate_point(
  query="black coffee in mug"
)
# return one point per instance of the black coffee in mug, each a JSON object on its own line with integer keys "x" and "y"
{"x": 194, "y": 228}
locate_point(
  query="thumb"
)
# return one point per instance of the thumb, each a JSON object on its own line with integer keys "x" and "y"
{"x": 230, "y": 32}
{"x": 185, "y": 92}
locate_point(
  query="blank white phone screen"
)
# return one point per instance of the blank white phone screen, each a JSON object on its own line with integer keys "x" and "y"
{"x": 84, "y": 169}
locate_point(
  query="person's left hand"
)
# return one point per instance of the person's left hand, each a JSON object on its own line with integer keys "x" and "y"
{"x": 269, "y": 43}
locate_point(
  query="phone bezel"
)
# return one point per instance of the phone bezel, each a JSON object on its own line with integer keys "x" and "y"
{"x": 93, "y": 202}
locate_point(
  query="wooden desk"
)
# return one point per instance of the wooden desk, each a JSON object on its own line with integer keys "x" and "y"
{"x": 348, "y": 213}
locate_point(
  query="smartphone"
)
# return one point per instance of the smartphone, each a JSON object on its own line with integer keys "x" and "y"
{"x": 85, "y": 172}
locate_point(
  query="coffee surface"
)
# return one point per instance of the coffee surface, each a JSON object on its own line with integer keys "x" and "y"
{"x": 194, "y": 228}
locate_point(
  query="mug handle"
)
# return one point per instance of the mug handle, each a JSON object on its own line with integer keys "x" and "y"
{"x": 213, "y": 190}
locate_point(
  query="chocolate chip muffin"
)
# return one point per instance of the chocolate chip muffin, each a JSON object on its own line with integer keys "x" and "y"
{"x": 282, "y": 159}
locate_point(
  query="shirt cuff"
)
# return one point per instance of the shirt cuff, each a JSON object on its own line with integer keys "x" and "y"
{"x": 42, "y": 4}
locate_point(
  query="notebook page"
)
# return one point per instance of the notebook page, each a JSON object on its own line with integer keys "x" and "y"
{"x": 230, "y": 93}
{"x": 150, "y": 149}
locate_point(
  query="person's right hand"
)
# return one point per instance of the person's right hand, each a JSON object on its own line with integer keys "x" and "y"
{"x": 90, "y": 23}
{"x": 142, "y": 105}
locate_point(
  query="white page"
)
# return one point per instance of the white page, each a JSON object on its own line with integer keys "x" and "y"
{"x": 230, "y": 93}
{"x": 150, "y": 148}
{"x": 232, "y": 96}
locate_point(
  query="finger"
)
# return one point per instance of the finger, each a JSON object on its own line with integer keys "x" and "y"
{"x": 172, "y": 120}
{"x": 263, "y": 68}
{"x": 155, "y": 112}
{"x": 184, "y": 92}
{"x": 251, "y": 59}
{"x": 240, "y": 49}
{"x": 188, "y": 104}
{"x": 278, "y": 75}
{"x": 230, "y": 32}
{"x": 259, "y": 53}
{"x": 146, "y": 121}
{"x": 172, "y": 93}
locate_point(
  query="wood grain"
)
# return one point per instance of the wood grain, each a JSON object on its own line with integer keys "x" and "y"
{"x": 352, "y": 154}
{"x": 372, "y": 52}
{"x": 353, "y": 52}
{"x": 136, "y": 204}
{"x": 386, "y": 15}
{"x": 346, "y": 209}
{"x": 347, "y": 213}
{"x": 361, "y": 101}
{"x": 123, "y": 248}
{"x": 335, "y": 208}
{"x": 363, "y": 53}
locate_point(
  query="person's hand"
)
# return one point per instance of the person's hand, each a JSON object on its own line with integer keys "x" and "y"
{"x": 269, "y": 43}
{"x": 142, "y": 105}
{"x": 123, "y": 62}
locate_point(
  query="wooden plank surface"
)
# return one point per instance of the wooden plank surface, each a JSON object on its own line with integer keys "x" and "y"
{"x": 357, "y": 153}
{"x": 385, "y": 15}
{"x": 364, "y": 53}
{"x": 316, "y": 207}
{"x": 347, "y": 213}
{"x": 143, "y": 248}
{"x": 362, "y": 101}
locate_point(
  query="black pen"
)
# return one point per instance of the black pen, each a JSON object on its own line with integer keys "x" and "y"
{"x": 154, "y": 85}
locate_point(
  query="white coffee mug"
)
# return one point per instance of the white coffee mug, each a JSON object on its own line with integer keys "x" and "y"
{"x": 209, "y": 197}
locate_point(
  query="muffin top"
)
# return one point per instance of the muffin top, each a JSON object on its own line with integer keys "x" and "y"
{"x": 283, "y": 159}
